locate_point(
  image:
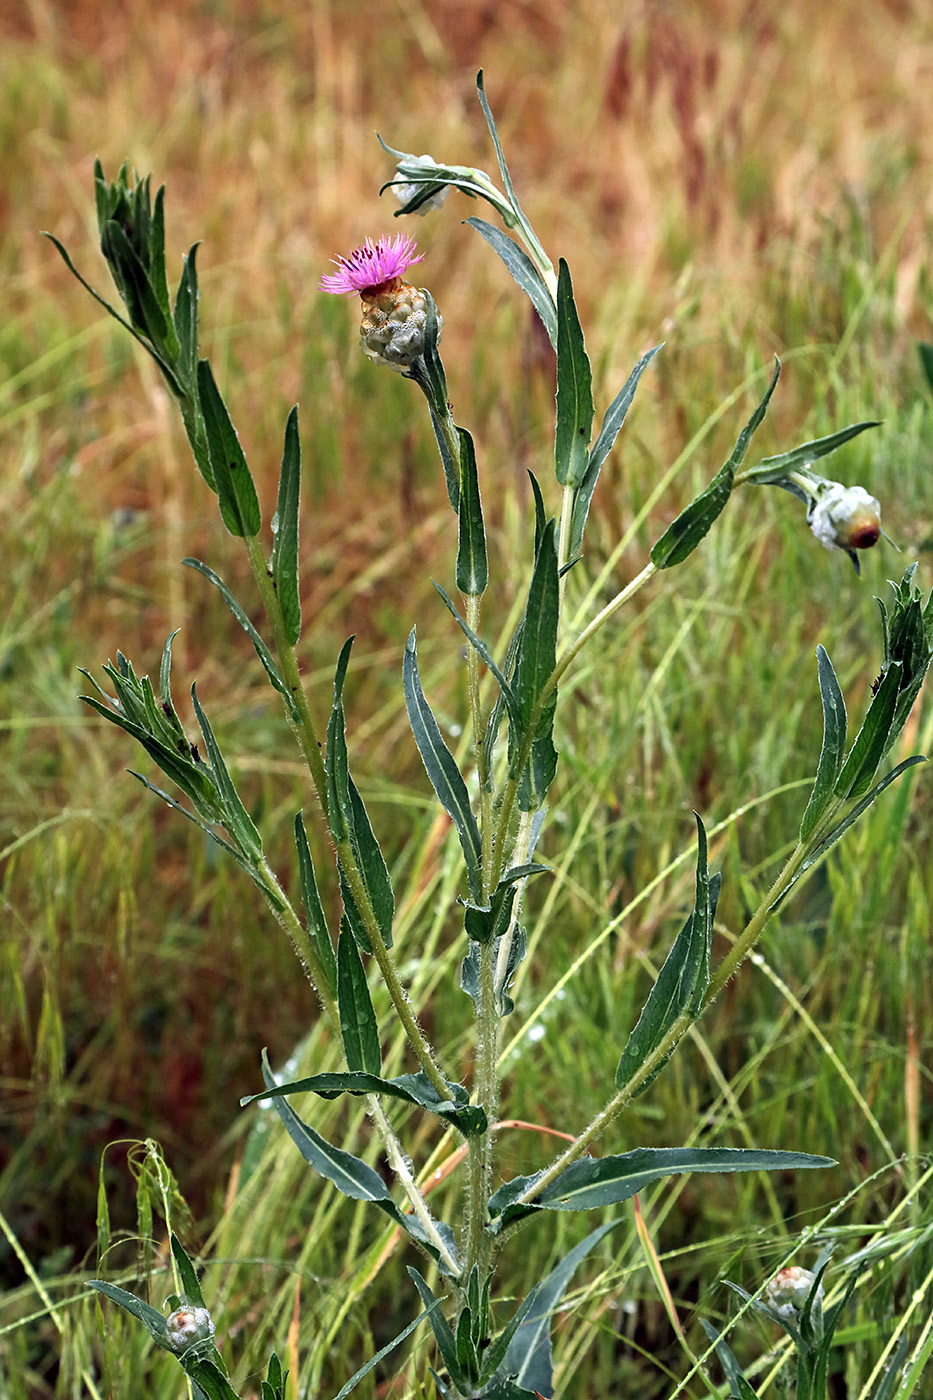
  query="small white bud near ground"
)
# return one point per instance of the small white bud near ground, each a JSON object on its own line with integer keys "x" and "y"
{"x": 845, "y": 517}
{"x": 187, "y": 1325}
{"x": 789, "y": 1290}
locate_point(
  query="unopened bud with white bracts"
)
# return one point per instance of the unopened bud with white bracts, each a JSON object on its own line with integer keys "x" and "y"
{"x": 405, "y": 192}
{"x": 187, "y": 1325}
{"x": 788, "y": 1291}
{"x": 844, "y": 517}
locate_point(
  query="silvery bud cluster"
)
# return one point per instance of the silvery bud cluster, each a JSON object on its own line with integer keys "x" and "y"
{"x": 405, "y": 192}
{"x": 187, "y": 1325}
{"x": 788, "y": 1292}
{"x": 392, "y": 328}
{"x": 844, "y": 517}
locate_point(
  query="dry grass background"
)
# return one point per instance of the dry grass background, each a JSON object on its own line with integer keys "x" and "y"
{"x": 740, "y": 178}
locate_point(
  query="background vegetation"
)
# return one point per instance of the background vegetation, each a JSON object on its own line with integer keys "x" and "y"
{"x": 740, "y": 178}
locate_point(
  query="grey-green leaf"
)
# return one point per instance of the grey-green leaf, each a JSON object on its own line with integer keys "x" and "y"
{"x": 152, "y": 1320}
{"x": 190, "y": 1285}
{"x": 317, "y": 924}
{"x": 236, "y": 818}
{"x": 611, "y": 426}
{"x": 770, "y": 470}
{"x": 528, "y": 1358}
{"x": 457, "y": 1110}
{"x": 472, "y": 567}
{"x": 575, "y": 408}
{"x": 681, "y": 538}
{"x": 262, "y": 651}
{"x": 358, "y": 1024}
{"x": 523, "y": 270}
{"x": 373, "y": 1361}
{"x": 283, "y": 564}
{"x": 682, "y": 982}
{"x": 871, "y": 742}
{"x": 441, "y": 767}
{"x": 832, "y": 754}
{"x": 606, "y": 1181}
{"x": 239, "y": 504}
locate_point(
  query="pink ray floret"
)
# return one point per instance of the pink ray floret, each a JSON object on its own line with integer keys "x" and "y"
{"x": 371, "y": 265}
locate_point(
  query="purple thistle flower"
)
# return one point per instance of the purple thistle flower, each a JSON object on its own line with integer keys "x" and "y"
{"x": 371, "y": 266}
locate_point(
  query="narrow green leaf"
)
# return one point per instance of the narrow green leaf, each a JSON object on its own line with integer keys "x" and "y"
{"x": 317, "y": 924}
{"x": 262, "y": 651}
{"x": 500, "y": 157}
{"x": 204, "y": 826}
{"x": 339, "y": 815}
{"x": 190, "y": 1286}
{"x": 682, "y": 982}
{"x": 485, "y": 922}
{"x": 239, "y": 505}
{"x": 139, "y": 295}
{"x": 611, "y": 426}
{"x": 528, "y": 1358}
{"x": 206, "y": 1374}
{"x": 236, "y": 818}
{"x": 358, "y": 1024}
{"x": 472, "y": 567}
{"x": 925, "y": 351}
{"x": 352, "y": 1176}
{"x": 444, "y": 1337}
{"x": 575, "y": 408}
{"x": 152, "y": 1320}
{"x": 606, "y": 1181}
{"x": 157, "y": 275}
{"x": 441, "y": 767}
{"x": 534, "y": 667}
{"x": 523, "y": 270}
{"x": 165, "y": 365}
{"x": 283, "y": 564}
{"x": 850, "y": 819}
{"x": 540, "y": 511}
{"x": 770, "y": 470}
{"x": 451, "y": 468}
{"x": 374, "y": 871}
{"x": 373, "y": 1361}
{"x": 505, "y": 688}
{"x": 872, "y": 739}
{"x": 457, "y": 1110}
{"x": 739, "y": 1388}
{"x": 467, "y": 1359}
{"x": 681, "y": 538}
{"x": 835, "y": 728}
{"x": 185, "y": 317}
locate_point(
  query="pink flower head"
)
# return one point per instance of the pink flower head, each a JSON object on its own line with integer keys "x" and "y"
{"x": 371, "y": 266}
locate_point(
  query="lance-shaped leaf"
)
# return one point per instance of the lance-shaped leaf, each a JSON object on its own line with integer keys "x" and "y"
{"x": 152, "y": 1320}
{"x": 349, "y": 821}
{"x": 528, "y": 1357}
{"x": 236, "y": 818}
{"x": 832, "y": 753}
{"x": 441, "y": 767}
{"x": 850, "y": 819}
{"x": 606, "y": 1181}
{"x": 739, "y": 1388}
{"x": 908, "y": 641}
{"x": 871, "y": 742}
{"x": 190, "y": 1285}
{"x": 472, "y": 566}
{"x": 446, "y": 1342}
{"x": 457, "y": 1110}
{"x": 505, "y": 689}
{"x": 207, "y": 1379}
{"x": 262, "y": 651}
{"x": 283, "y": 565}
{"x": 534, "y": 667}
{"x": 185, "y": 317}
{"x": 575, "y": 408}
{"x": 358, "y": 1024}
{"x": 682, "y": 981}
{"x": 239, "y": 504}
{"x": 138, "y": 294}
{"x": 611, "y": 426}
{"x": 516, "y": 946}
{"x": 317, "y": 924}
{"x": 523, "y": 270}
{"x": 770, "y": 471}
{"x": 373, "y": 1361}
{"x": 681, "y": 538}
{"x": 352, "y": 1176}
{"x": 485, "y": 922}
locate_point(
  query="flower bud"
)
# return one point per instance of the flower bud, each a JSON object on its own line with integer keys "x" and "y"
{"x": 392, "y": 328}
{"x": 789, "y": 1290}
{"x": 845, "y": 517}
{"x": 187, "y": 1325}
{"x": 406, "y": 192}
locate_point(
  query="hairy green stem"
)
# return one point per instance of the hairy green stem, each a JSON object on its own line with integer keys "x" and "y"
{"x": 473, "y": 606}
